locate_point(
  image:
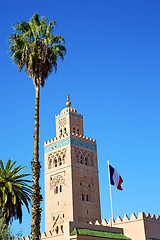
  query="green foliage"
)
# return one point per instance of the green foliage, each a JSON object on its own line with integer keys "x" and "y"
{"x": 5, "y": 233}
{"x": 34, "y": 46}
{"x": 14, "y": 190}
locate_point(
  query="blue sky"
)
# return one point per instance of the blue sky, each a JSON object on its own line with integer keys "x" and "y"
{"x": 112, "y": 72}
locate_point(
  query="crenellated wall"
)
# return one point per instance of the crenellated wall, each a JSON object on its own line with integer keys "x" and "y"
{"x": 141, "y": 227}
{"x": 69, "y": 110}
{"x": 68, "y": 228}
{"x": 83, "y": 138}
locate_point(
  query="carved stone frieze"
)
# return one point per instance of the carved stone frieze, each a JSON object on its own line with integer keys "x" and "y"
{"x": 57, "y": 180}
{"x": 84, "y": 157}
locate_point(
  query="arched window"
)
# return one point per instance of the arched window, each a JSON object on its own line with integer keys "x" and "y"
{"x": 60, "y": 188}
{"x": 86, "y": 161}
{"x": 55, "y": 162}
{"x": 81, "y": 160}
{"x": 60, "y": 131}
{"x": 74, "y": 130}
{"x": 78, "y": 131}
{"x": 62, "y": 228}
{"x": 65, "y": 130}
{"x": 60, "y": 161}
{"x": 57, "y": 229}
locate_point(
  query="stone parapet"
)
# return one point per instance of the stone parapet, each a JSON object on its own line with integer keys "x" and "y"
{"x": 104, "y": 225}
{"x": 83, "y": 138}
{"x": 141, "y": 216}
{"x": 69, "y": 111}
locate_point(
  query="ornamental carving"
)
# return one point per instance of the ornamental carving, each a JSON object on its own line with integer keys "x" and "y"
{"x": 56, "y": 181}
{"x": 75, "y": 121}
{"x": 62, "y": 122}
{"x": 57, "y": 158}
{"x": 84, "y": 157}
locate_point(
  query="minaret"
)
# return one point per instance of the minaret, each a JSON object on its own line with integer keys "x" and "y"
{"x": 71, "y": 173}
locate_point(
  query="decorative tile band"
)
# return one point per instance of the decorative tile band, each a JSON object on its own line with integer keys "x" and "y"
{"x": 80, "y": 143}
{"x": 72, "y": 141}
{"x": 73, "y": 114}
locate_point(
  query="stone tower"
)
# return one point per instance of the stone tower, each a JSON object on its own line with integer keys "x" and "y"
{"x": 71, "y": 174}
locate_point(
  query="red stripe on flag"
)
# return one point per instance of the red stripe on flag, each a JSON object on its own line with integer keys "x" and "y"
{"x": 119, "y": 184}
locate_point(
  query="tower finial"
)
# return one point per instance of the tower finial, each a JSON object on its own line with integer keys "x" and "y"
{"x": 68, "y": 103}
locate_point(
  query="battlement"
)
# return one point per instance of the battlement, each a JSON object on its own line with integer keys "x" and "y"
{"x": 141, "y": 216}
{"x": 86, "y": 139}
{"x": 126, "y": 219}
{"x": 46, "y": 143}
{"x": 45, "y": 235}
{"x": 83, "y": 138}
{"x": 69, "y": 110}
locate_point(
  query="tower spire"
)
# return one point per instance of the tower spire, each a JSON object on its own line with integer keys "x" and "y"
{"x": 68, "y": 103}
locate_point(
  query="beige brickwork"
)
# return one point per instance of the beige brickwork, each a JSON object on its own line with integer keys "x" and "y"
{"x": 71, "y": 174}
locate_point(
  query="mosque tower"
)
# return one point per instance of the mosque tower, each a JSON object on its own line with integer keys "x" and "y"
{"x": 71, "y": 174}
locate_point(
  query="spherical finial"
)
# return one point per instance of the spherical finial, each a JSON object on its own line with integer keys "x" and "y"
{"x": 68, "y": 103}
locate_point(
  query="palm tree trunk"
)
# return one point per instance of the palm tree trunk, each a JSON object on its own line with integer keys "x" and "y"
{"x": 36, "y": 196}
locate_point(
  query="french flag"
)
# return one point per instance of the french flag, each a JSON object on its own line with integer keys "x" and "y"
{"x": 115, "y": 178}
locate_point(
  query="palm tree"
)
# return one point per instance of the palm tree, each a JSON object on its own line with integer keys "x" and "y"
{"x": 34, "y": 46}
{"x": 14, "y": 191}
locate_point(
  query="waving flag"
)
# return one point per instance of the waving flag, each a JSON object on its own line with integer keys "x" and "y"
{"x": 115, "y": 178}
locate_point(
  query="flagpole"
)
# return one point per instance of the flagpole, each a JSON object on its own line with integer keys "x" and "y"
{"x": 110, "y": 194}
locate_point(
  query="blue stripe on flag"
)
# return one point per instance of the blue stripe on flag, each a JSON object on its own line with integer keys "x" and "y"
{"x": 111, "y": 169}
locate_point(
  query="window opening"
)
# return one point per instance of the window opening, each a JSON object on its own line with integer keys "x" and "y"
{"x": 62, "y": 228}
{"x": 60, "y": 188}
{"x": 86, "y": 161}
{"x": 80, "y": 184}
{"x": 87, "y": 198}
{"x": 55, "y": 162}
{"x": 60, "y": 131}
{"x": 53, "y": 218}
{"x": 82, "y": 197}
{"x": 60, "y": 161}
{"x": 57, "y": 229}
{"x": 81, "y": 160}
{"x": 65, "y": 130}
{"x": 74, "y": 130}
{"x": 78, "y": 131}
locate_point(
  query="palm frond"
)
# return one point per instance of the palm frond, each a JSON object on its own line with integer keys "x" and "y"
{"x": 21, "y": 27}
{"x": 1, "y": 164}
{"x": 51, "y": 26}
{"x": 31, "y": 46}
{"x": 14, "y": 190}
